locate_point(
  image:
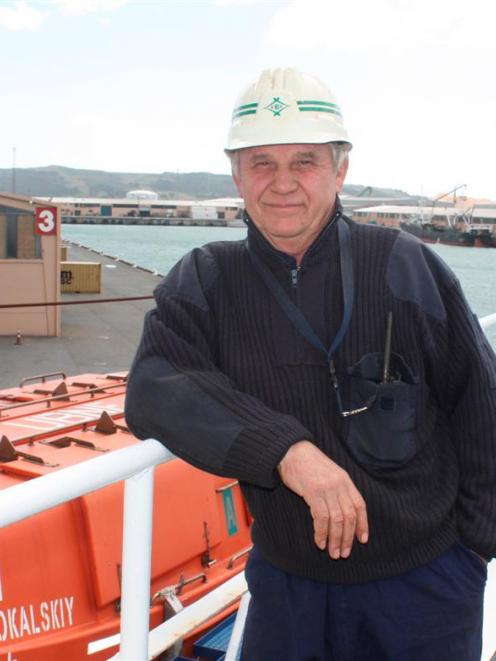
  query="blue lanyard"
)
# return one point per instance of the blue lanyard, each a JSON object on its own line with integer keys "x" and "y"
{"x": 294, "y": 314}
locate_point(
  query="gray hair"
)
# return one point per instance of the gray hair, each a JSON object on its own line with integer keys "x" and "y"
{"x": 339, "y": 153}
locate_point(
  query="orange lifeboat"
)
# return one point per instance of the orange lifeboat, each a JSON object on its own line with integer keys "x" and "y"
{"x": 34, "y": 397}
{"x": 60, "y": 569}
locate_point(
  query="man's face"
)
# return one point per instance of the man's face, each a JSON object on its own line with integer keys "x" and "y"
{"x": 289, "y": 191}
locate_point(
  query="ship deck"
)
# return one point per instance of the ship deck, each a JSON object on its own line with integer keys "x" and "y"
{"x": 94, "y": 338}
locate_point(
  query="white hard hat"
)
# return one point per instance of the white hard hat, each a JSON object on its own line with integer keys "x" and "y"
{"x": 285, "y": 106}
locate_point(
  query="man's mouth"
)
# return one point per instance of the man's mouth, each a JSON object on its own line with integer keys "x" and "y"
{"x": 283, "y": 205}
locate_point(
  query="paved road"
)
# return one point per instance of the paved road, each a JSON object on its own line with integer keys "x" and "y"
{"x": 95, "y": 338}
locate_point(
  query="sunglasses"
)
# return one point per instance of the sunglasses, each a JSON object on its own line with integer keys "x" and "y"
{"x": 344, "y": 413}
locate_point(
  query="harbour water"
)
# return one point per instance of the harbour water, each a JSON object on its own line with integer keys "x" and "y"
{"x": 159, "y": 248}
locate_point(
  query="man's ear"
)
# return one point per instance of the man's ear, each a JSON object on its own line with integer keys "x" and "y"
{"x": 341, "y": 175}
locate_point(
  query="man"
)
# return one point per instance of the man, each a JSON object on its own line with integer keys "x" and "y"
{"x": 336, "y": 370}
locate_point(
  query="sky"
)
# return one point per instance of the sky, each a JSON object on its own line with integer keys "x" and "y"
{"x": 149, "y": 85}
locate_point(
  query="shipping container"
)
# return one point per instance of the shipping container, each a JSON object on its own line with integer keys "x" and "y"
{"x": 80, "y": 277}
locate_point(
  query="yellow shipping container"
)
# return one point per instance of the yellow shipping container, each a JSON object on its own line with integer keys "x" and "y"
{"x": 63, "y": 253}
{"x": 80, "y": 277}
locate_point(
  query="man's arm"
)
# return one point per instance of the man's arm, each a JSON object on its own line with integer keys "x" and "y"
{"x": 192, "y": 408}
{"x": 177, "y": 394}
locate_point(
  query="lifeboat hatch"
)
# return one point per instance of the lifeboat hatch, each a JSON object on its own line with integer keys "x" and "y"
{"x": 105, "y": 424}
{"x": 9, "y": 453}
{"x": 67, "y": 441}
{"x": 60, "y": 392}
{"x": 117, "y": 376}
{"x": 17, "y": 398}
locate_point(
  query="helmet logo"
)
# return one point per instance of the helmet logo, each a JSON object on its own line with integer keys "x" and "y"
{"x": 276, "y": 107}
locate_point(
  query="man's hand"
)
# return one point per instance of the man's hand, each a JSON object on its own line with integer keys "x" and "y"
{"x": 337, "y": 508}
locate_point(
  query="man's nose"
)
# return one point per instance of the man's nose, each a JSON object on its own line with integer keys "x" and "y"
{"x": 284, "y": 181}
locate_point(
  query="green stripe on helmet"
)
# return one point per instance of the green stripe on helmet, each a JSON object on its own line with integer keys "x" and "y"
{"x": 319, "y": 109}
{"x": 319, "y": 106}
{"x": 237, "y": 114}
{"x": 318, "y": 103}
{"x": 246, "y": 106}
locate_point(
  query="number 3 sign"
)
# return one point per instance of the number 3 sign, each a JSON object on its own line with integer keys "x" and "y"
{"x": 46, "y": 221}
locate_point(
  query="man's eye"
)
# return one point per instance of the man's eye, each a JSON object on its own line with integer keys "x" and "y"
{"x": 262, "y": 164}
{"x": 304, "y": 163}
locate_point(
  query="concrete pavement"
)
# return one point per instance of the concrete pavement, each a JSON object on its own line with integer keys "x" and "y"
{"x": 95, "y": 337}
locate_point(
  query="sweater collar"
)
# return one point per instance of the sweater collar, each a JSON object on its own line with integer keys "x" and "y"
{"x": 321, "y": 247}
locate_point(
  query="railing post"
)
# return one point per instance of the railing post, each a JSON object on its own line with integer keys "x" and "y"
{"x": 136, "y": 563}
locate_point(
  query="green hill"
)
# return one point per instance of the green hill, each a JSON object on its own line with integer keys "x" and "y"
{"x": 58, "y": 181}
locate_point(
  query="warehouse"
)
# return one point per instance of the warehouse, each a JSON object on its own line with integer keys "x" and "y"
{"x": 137, "y": 208}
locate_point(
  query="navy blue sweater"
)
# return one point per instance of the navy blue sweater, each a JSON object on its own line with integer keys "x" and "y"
{"x": 226, "y": 382}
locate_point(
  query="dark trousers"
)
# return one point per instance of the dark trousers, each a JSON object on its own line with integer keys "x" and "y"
{"x": 433, "y": 613}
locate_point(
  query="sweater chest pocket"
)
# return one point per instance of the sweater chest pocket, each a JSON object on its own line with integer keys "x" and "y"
{"x": 383, "y": 436}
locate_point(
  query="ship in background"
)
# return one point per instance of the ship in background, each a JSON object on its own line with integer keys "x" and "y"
{"x": 452, "y": 226}
{"x": 448, "y": 219}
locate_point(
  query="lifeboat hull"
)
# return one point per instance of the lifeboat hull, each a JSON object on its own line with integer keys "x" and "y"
{"x": 60, "y": 569}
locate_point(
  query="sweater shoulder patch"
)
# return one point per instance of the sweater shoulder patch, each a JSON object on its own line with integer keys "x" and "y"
{"x": 190, "y": 278}
{"x": 417, "y": 274}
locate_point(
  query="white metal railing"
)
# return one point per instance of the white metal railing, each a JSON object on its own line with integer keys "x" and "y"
{"x": 489, "y": 320}
{"x": 489, "y": 630}
{"x": 134, "y": 464}
{"x": 174, "y": 629}
{"x": 236, "y": 640}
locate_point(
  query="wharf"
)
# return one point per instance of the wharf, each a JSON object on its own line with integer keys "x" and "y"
{"x": 97, "y": 338}
{"x": 172, "y": 221}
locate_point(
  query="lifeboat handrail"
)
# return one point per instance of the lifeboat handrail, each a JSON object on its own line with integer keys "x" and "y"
{"x": 134, "y": 464}
{"x": 64, "y": 396}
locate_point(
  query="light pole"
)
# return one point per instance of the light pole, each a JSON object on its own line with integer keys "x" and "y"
{"x": 13, "y": 169}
